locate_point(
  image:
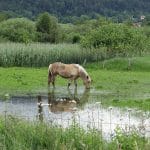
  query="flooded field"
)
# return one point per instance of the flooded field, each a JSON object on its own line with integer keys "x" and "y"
{"x": 64, "y": 107}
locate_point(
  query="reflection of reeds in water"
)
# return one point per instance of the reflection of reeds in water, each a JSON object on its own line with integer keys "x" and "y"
{"x": 40, "y": 108}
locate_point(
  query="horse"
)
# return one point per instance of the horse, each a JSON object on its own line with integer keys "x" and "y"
{"x": 68, "y": 71}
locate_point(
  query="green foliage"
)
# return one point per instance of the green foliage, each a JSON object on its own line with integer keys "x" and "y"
{"x": 117, "y": 38}
{"x": 129, "y": 141}
{"x": 19, "y": 134}
{"x": 36, "y": 55}
{"x": 68, "y": 10}
{"x": 47, "y": 28}
{"x": 122, "y": 64}
{"x": 76, "y": 38}
{"x": 73, "y": 33}
{"x": 18, "y": 30}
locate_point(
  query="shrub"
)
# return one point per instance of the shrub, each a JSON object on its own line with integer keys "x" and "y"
{"x": 76, "y": 38}
{"x": 47, "y": 28}
{"x": 117, "y": 38}
{"x": 18, "y": 30}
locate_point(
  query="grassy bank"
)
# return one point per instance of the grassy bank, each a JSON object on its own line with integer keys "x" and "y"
{"x": 131, "y": 84}
{"x": 18, "y": 134}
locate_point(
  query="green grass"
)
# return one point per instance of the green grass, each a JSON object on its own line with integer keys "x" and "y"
{"x": 143, "y": 104}
{"x": 17, "y": 134}
{"x": 40, "y": 55}
{"x": 122, "y": 64}
{"x": 124, "y": 85}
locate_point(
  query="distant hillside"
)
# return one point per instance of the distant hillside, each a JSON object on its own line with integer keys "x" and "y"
{"x": 65, "y": 8}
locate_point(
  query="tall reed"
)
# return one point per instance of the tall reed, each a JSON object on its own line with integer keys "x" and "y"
{"x": 38, "y": 55}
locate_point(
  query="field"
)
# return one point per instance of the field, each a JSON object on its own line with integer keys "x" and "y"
{"x": 118, "y": 82}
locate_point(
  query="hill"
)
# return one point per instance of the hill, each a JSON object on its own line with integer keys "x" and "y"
{"x": 66, "y": 8}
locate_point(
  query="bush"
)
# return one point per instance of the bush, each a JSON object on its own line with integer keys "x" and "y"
{"x": 76, "y": 38}
{"x": 18, "y": 30}
{"x": 117, "y": 38}
{"x": 47, "y": 28}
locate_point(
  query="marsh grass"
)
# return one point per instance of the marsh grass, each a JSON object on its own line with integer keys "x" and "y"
{"x": 122, "y": 64}
{"x": 132, "y": 103}
{"x": 17, "y": 134}
{"x": 39, "y": 55}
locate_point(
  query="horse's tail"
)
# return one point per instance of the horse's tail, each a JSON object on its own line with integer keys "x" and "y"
{"x": 49, "y": 74}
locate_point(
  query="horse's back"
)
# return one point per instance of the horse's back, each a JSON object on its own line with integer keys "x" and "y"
{"x": 65, "y": 70}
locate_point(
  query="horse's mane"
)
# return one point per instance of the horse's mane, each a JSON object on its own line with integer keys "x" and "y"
{"x": 82, "y": 69}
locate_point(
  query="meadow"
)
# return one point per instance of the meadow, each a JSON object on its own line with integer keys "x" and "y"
{"x": 114, "y": 76}
{"x": 23, "y": 71}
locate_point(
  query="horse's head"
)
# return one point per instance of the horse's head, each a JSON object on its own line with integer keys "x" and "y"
{"x": 85, "y": 77}
{"x": 87, "y": 81}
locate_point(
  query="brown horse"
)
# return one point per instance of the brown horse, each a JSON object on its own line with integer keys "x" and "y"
{"x": 69, "y": 71}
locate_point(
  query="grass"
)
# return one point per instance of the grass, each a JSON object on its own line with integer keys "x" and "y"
{"x": 19, "y": 134}
{"x": 132, "y": 86}
{"x": 143, "y": 104}
{"x": 141, "y": 64}
{"x": 40, "y": 55}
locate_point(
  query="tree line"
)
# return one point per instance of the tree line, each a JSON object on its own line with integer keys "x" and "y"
{"x": 101, "y": 33}
{"x": 68, "y": 10}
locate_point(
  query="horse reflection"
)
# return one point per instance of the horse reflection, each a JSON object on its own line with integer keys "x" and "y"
{"x": 67, "y": 103}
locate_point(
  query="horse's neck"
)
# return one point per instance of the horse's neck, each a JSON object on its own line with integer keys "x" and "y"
{"x": 83, "y": 73}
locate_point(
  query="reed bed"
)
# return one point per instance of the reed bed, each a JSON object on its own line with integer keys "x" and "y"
{"x": 39, "y": 55}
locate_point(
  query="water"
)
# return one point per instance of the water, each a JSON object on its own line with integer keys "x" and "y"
{"x": 62, "y": 106}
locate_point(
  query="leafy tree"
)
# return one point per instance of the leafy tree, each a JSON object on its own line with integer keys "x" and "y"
{"x": 120, "y": 9}
{"x": 117, "y": 38}
{"x": 47, "y": 28}
{"x": 18, "y": 30}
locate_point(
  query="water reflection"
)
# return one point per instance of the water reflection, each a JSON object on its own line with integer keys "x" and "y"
{"x": 57, "y": 103}
{"x": 40, "y": 108}
{"x": 58, "y": 106}
{"x": 66, "y": 103}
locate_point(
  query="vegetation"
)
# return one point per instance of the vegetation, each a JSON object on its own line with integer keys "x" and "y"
{"x": 18, "y": 30}
{"x": 117, "y": 38}
{"x": 38, "y": 55}
{"x": 108, "y": 48}
{"x": 47, "y": 28}
{"x": 70, "y": 10}
{"x": 117, "y": 80}
{"x": 19, "y": 134}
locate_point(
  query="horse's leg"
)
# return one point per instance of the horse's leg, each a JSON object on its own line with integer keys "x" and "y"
{"x": 75, "y": 83}
{"x": 53, "y": 81}
{"x": 49, "y": 81}
{"x": 69, "y": 83}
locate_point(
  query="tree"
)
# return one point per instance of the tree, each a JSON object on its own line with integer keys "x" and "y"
{"x": 47, "y": 28}
{"x": 18, "y": 30}
{"x": 117, "y": 38}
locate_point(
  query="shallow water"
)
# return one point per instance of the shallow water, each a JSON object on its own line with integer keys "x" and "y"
{"x": 62, "y": 106}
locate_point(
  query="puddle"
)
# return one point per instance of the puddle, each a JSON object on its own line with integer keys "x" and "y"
{"x": 83, "y": 106}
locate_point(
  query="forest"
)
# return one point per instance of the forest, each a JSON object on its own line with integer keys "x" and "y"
{"x": 68, "y": 10}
